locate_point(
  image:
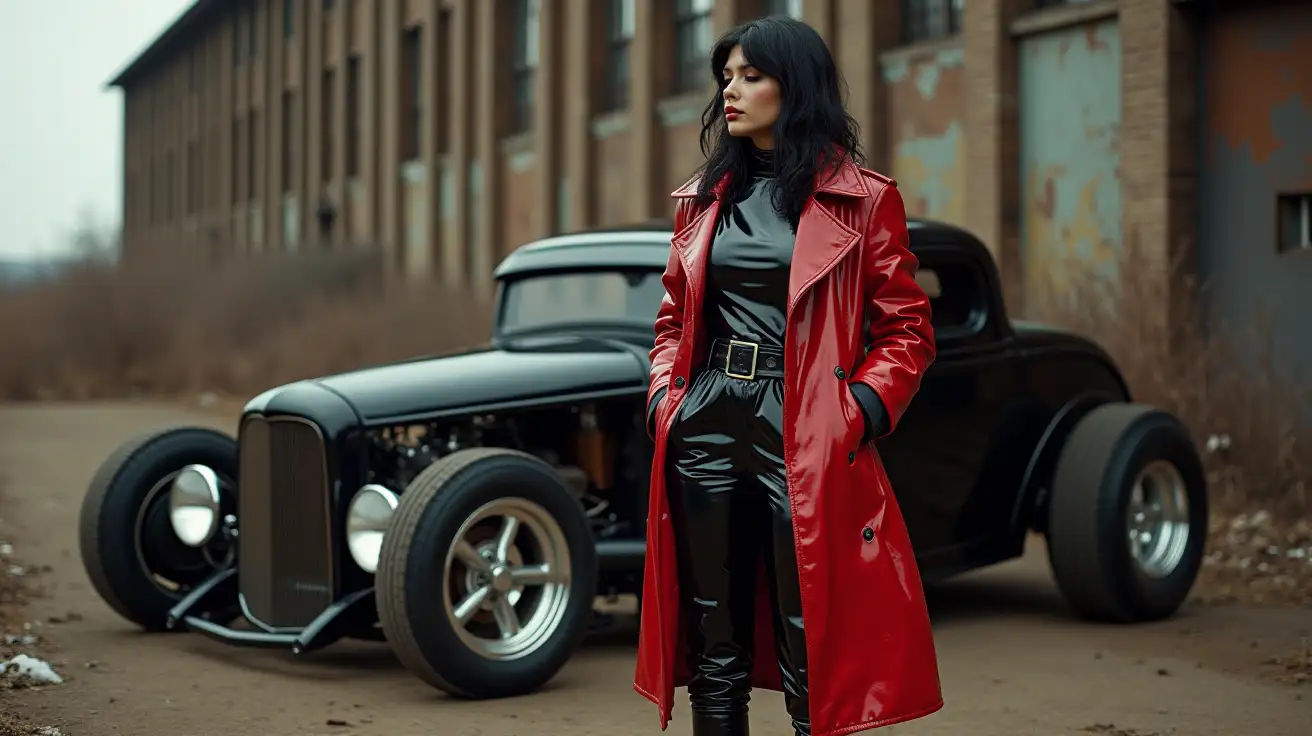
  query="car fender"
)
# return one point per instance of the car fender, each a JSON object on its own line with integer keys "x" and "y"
{"x": 1043, "y": 460}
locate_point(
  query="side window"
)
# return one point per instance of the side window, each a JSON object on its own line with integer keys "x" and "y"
{"x": 958, "y": 295}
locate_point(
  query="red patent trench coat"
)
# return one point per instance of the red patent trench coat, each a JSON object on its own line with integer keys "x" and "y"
{"x": 869, "y": 645}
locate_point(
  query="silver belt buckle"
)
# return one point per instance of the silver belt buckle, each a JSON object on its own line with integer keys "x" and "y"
{"x": 728, "y": 359}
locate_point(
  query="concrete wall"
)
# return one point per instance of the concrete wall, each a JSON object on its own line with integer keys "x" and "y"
{"x": 1257, "y": 144}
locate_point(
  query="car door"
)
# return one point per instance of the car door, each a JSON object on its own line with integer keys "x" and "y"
{"x": 939, "y": 458}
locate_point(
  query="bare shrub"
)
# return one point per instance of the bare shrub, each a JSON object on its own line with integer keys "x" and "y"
{"x": 1247, "y": 414}
{"x": 178, "y": 320}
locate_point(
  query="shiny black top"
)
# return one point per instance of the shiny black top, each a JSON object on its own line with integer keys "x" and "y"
{"x": 751, "y": 255}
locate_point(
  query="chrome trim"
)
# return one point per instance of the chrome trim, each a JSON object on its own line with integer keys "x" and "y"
{"x": 330, "y": 569}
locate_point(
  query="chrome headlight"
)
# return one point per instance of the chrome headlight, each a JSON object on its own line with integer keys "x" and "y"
{"x": 194, "y": 505}
{"x": 367, "y": 519}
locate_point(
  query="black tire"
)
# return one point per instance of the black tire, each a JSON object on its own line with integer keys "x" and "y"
{"x": 1087, "y": 518}
{"x": 413, "y": 587}
{"x": 107, "y": 527}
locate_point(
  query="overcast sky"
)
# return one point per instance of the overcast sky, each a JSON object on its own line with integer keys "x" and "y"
{"x": 61, "y": 131}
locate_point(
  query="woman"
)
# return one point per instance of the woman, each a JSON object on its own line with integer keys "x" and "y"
{"x": 791, "y": 336}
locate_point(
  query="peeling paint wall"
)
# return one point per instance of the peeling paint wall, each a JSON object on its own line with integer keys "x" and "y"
{"x": 1070, "y": 116}
{"x": 926, "y": 92}
{"x": 1257, "y": 107}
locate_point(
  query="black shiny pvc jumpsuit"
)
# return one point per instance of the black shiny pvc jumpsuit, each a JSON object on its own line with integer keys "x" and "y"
{"x": 729, "y": 496}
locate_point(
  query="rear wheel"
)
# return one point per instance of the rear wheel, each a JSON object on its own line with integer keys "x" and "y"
{"x": 1127, "y": 524}
{"x": 487, "y": 574}
{"x": 135, "y": 560}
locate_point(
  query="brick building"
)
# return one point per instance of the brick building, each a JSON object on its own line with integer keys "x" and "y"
{"x": 450, "y": 131}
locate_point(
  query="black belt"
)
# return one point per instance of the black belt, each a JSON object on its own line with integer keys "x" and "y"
{"x": 746, "y": 360}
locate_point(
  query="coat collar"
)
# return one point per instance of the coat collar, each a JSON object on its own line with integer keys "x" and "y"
{"x": 847, "y": 182}
{"x": 822, "y": 236}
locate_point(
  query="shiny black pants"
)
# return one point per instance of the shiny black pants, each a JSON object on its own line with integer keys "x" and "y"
{"x": 731, "y": 510}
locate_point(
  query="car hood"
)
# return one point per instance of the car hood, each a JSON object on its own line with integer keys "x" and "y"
{"x": 491, "y": 377}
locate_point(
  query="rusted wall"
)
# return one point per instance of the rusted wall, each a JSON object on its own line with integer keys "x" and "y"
{"x": 1257, "y": 107}
{"x": 1070, "y": 115}
{"x": 926, "y": 91}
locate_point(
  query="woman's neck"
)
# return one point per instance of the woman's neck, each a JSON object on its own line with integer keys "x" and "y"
{"x": 760, "y": 162}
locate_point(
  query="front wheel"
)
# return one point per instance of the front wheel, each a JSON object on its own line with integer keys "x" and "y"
{"x": 1127, "y": 524}
{"x": 487, "y": 574}
{"x": 135, "y": 559}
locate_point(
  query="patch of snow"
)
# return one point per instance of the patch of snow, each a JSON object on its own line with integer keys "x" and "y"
{"x": 34, "y": 669}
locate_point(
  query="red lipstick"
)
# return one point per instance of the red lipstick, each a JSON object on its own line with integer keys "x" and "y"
{"x": 731, "y": 112}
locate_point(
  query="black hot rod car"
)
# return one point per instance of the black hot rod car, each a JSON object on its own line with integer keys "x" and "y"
{"x": 468, "y": 508}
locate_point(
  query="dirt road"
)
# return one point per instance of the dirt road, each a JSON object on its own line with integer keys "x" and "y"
{"x": 1013, "y": 661}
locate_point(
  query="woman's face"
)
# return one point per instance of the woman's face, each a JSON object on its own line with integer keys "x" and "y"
{"x": 751, "y": 100}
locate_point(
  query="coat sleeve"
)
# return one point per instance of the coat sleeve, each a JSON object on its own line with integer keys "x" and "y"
{"x": 901, "y": 345}
{"x": 669, "y": 322}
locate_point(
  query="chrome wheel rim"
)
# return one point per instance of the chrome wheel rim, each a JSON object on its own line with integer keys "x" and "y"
{"x": 507, "y": 579}
{"x": 1157, "y": 519}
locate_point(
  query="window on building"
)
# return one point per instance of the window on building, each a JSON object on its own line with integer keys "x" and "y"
{"x": 924, "y": 20}
{"x": 288, "y": 135}
{"x": 253, "y": 139}
{"x": 327, "y": 141}
{"x": 288, "y": 18}
{"x": 1294, "y": 224}
{"x": 238, "y": 26}
{"x": 412, "y": 94}
{"x": 620, "y": 27}
{"x": 692, "y": 41}
{"x": 441, "y": 119}
{"x": 235, "y": 175}
{"x": 253, "y": 34}
{"x": 353, "y": 113}
{"x": 525, "y": 65}
{"x": 170, "y": 170}
{"x": 193, "y": 179}
{"x": 790, "y": 8}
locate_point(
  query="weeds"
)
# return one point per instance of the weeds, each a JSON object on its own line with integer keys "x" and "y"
{"x": 1248, "y": 415}
{"x": 181, "y": 322}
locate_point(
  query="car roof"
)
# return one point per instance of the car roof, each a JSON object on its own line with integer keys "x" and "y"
{"x": 647, "y": 246}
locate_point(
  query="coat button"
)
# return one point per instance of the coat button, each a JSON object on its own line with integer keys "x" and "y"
{"x": 851, "y": 457}
{"x": 868, "y": 534}
{"x": 838, "y": 371}
{"x": 678, "y": 382}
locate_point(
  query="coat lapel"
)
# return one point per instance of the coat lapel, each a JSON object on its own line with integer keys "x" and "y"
{"x": 822, "y": 236}
{"x": 693, "y": 242}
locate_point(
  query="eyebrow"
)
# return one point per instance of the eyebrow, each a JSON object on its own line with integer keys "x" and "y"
{"x": 728, "y": 68}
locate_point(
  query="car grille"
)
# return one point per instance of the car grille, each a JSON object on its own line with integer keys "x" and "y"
{"x": 285, "y": 565}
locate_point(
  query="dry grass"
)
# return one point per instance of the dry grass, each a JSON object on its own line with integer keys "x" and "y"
{"x": 1247, "y": 413}
{"x": 182, "y": 322}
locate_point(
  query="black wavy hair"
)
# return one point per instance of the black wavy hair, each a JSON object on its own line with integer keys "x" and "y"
{"x": 814, "y": 131}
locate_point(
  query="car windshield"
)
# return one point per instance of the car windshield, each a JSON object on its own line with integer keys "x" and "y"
{"x": 581, "y": 297}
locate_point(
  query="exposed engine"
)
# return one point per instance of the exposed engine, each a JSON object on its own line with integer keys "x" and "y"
{"x": 573, "y": 440}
